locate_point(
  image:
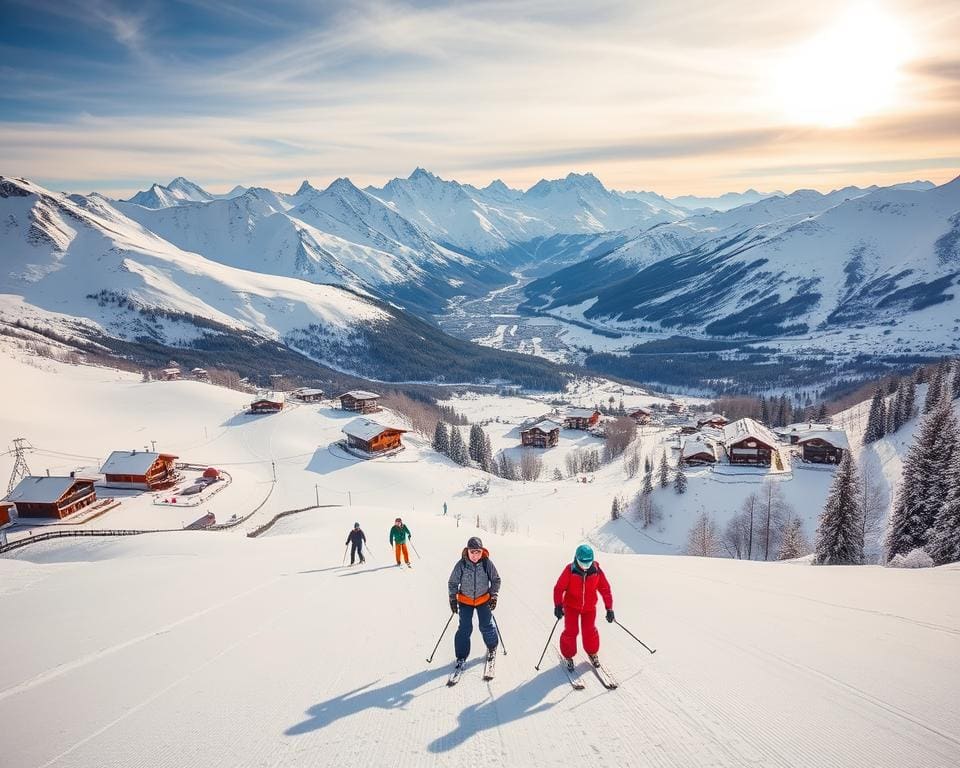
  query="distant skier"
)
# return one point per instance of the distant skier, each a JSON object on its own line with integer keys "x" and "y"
{"x": 356, "y": 538}
{"x": 399, "y": 534}
{"x": 575, "y": 601}
{"x": 473, "y": 587}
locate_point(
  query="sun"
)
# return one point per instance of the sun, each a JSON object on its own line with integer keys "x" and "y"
{"x": 848, "y": 71}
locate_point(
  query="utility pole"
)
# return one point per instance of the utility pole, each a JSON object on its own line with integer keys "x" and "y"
{"x": 20, "y": 468}
{"x": 153, "y": 446}
{"x": 316, "y": 488}
{"x": 349, "y": 499}
{"x": 273, "y": 466}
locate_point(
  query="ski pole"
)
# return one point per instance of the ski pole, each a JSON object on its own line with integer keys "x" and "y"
{"x": 652, "y": 650}
{"x": 344, "y": 561}
{"x": 415, "y": 550}
{"x": 497, "y": 625}
{"x": 369, "y": 551}
{"x": 430, "y": 659}
{"x": 547, "y": 645}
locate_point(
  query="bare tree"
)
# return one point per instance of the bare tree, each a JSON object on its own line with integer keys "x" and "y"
{"x": 774, "y": 513}
{"x": 631, "y": 463}
{"x": 736, "y": 536}
{"x": 703, "y": 539}
{"x": 749, "y": 509}
{"x": 531, "y": 465}
{"x": 618, "y": 434}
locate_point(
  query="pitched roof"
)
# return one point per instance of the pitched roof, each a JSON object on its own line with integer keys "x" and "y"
{"x": 580, "y": 413}
{"x": 305, "y": 391}
{"x": 269, "y": 397}
{"x": 360, "y": 394}
{"x": 367, "y": 429}
{"x": 836, "y": 437}
{"x": 697, "y": 444}
{"x": 43, "y": 490}
{"x": 131, "y": 462}
{"x": 544, "y": 425}
{"x": 744, "y": 428}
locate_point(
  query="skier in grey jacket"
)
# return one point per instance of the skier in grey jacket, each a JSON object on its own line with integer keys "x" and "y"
{"x": 473, "y": 587}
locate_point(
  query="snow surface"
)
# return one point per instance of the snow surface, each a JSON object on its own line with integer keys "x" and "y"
{"x": 206, "y": 648}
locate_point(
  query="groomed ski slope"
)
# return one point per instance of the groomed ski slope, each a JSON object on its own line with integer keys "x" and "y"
{"x": 199, "y": 649}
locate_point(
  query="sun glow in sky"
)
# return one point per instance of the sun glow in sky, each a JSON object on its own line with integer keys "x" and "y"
{"x": 685, "y": 97}
{"x": 849, "y": 70}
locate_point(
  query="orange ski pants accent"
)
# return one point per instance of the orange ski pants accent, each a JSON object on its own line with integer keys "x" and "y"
{"x": 401, "y": 549}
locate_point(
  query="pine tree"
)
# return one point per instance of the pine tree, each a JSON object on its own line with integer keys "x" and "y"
{"x": 924, "y": 485}
{"x": 823, "y": 415}
{"x": 955, "y": 389}
{"x": 890, "y": 424}
{"x": 920, "y": 375}
{"x": 908, "y": 404}
{"x": 615, "y": 508}
{"x": 945, "y": 545}
{"x": 935, "y": 388}
{"x": 487, "y": 464}
{"x": 793, "y": 544}
{"x": 508, "y": 470}
{"x": 441, "y": 439}
{"x": 458, "y": 449}
{"x": 664, "y": 470}
{"x": 840, "y": 531}
{"x": 680, "y": 479}
{"x": 647, "y": 465}
{"x": 764, "y": 411}
{"x": 476, "y": 443}
{"x": 782, "y": 417}
{"x": 877, "y": 420}
{"x": 647, "y": 483}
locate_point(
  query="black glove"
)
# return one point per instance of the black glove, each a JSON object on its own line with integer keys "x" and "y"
{"x": 610, "y": 616}
{"x": 454, "y": 605}
{"x": 493, "y": 602}
{"x": 558, "y": 611}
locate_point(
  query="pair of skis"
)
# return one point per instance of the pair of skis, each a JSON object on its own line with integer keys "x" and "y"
{"x": 489, "y": 669}
{"x": 607, "y": 680}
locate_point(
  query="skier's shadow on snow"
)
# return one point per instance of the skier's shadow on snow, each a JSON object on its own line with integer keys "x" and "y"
{"x": 523, "y": 701}
{"x": 394, "y": 696}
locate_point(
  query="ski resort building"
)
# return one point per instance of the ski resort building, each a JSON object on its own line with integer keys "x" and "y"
{"x": 142, "y": 470}
{"x": 640, "y": 416}
{"x": 581, "y": 418}
{"x": 171, "y": 374}
{"x": 6, "y": 513}
{"x": 714, "y": 420}
{"x": 749, "y": 442}
{"x": 824, "y": 447}
{"x": 793, "y": 433}
{"x": 54, "y": 497}
{"x": 308, "y": 395}
{"x": 271, "y": 402}
{"x": 360, "y": 401}
{"x": 697, "y": 451}
{"x": 543, "y": 434}
{"x": 369, "y": 436}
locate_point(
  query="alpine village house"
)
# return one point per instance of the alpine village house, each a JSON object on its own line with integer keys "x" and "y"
{"x": 142, "y": 470}
{"x": 372, "y": 437}
{"x": 360, "y": 401}
{"x": 46, "y": 496}
{"x": 543, "y": 434}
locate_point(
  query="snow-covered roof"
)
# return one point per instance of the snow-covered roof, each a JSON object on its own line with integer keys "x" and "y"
{"x": 712, "y": 417}
{"x": 44, "y": 490}
{"x": 306, "y": 392}
{"x": 131, "y": 462}
{"x": 744, "y": 428}
{"x": 697, "y": 444}
{"x": 360, "y": 394}
{"x": 269, "y": 397}
{"x": 367, "y": 429}
{"x": 544, "y": 425}
{"x": 803, "y": 427}
{"x": 836, "y": 437}
{"x": 580, "y": 413}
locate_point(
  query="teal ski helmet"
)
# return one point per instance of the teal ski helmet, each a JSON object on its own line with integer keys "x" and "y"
{"x": 584, "y": 556}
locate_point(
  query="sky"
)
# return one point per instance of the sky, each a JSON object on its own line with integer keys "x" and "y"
{"x": 686, "y": 97}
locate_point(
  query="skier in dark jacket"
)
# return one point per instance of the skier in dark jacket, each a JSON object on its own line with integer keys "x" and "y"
{"x": 575, "y": 601}
{"x": 473, "y": 588}
{"x": 356, "y": 537}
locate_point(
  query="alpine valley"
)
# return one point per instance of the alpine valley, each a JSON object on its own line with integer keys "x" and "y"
{"x": 398, "y": 282}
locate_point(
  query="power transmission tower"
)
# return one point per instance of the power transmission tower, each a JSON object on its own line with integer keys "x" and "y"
{"x": 20, "y": 468}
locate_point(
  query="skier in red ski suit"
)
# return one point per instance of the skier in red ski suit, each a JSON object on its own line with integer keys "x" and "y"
{"x": 575, "y": 601}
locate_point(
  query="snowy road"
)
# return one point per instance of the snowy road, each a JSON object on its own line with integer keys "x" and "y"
{"x": 216, "y": 650}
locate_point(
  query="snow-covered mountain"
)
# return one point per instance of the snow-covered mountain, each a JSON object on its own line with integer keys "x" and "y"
{"x": 784, "y": 265}
{"x": 496, "y": 218}
{"x": 80, "y": 264}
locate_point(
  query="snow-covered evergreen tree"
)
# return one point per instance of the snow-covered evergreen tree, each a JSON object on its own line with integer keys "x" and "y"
{"x": 944, "y": 546}
{"x": 765, "y": 411}
{"x": 955, "y": 388}
{"x": 557, "y": 473}
{"x": 458, "y": 449}
{"x": 487, "y": 464}
{"x": 935, "y": 388}
{"x": 647, "y": 488}
{"x": 925, "y": 483}
{"x": 823, "y": 415}
{"x": 840, "y": 530}
{"x": 441, "y": 439}
{"x": 475, "y": 447}
{"x": 680, "y": 479}
{"x": 877, "y": 420}
{"x": 664, "y": 471}
{"x": 794, "y": 543}
{"x": 615, "y": 508}
{"x": 908, "y": 403}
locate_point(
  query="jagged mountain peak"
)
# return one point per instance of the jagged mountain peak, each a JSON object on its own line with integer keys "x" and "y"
{"x": 306, "y": 188}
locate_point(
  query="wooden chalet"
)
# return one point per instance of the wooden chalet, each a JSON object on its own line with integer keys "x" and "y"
{"x": 581, "y": 418}
{"x": 6, "y": 513}
{"x": 171, "y": 374}
{"x": 689, "y": 428}
{"x": 714, "y": 420}
{"x": 200, "y": 374}
{"x": 543, "y": 434}
{"x": 54, "y": 497}
{"x": 641, "y": 416}
{"x": 824, "y": 447}
{"x": 143, "y": 470}
{"x": 675, "y": 407}
{"x": 749, "y": 442}
{"x": 360, "y": 401}
{"x": 793, "y": 433}
{"x": 270, "y": 402}
{"x": 369, "y": 436}
{"x": 698, "y": 451}
{"x": 308, "y": 395}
